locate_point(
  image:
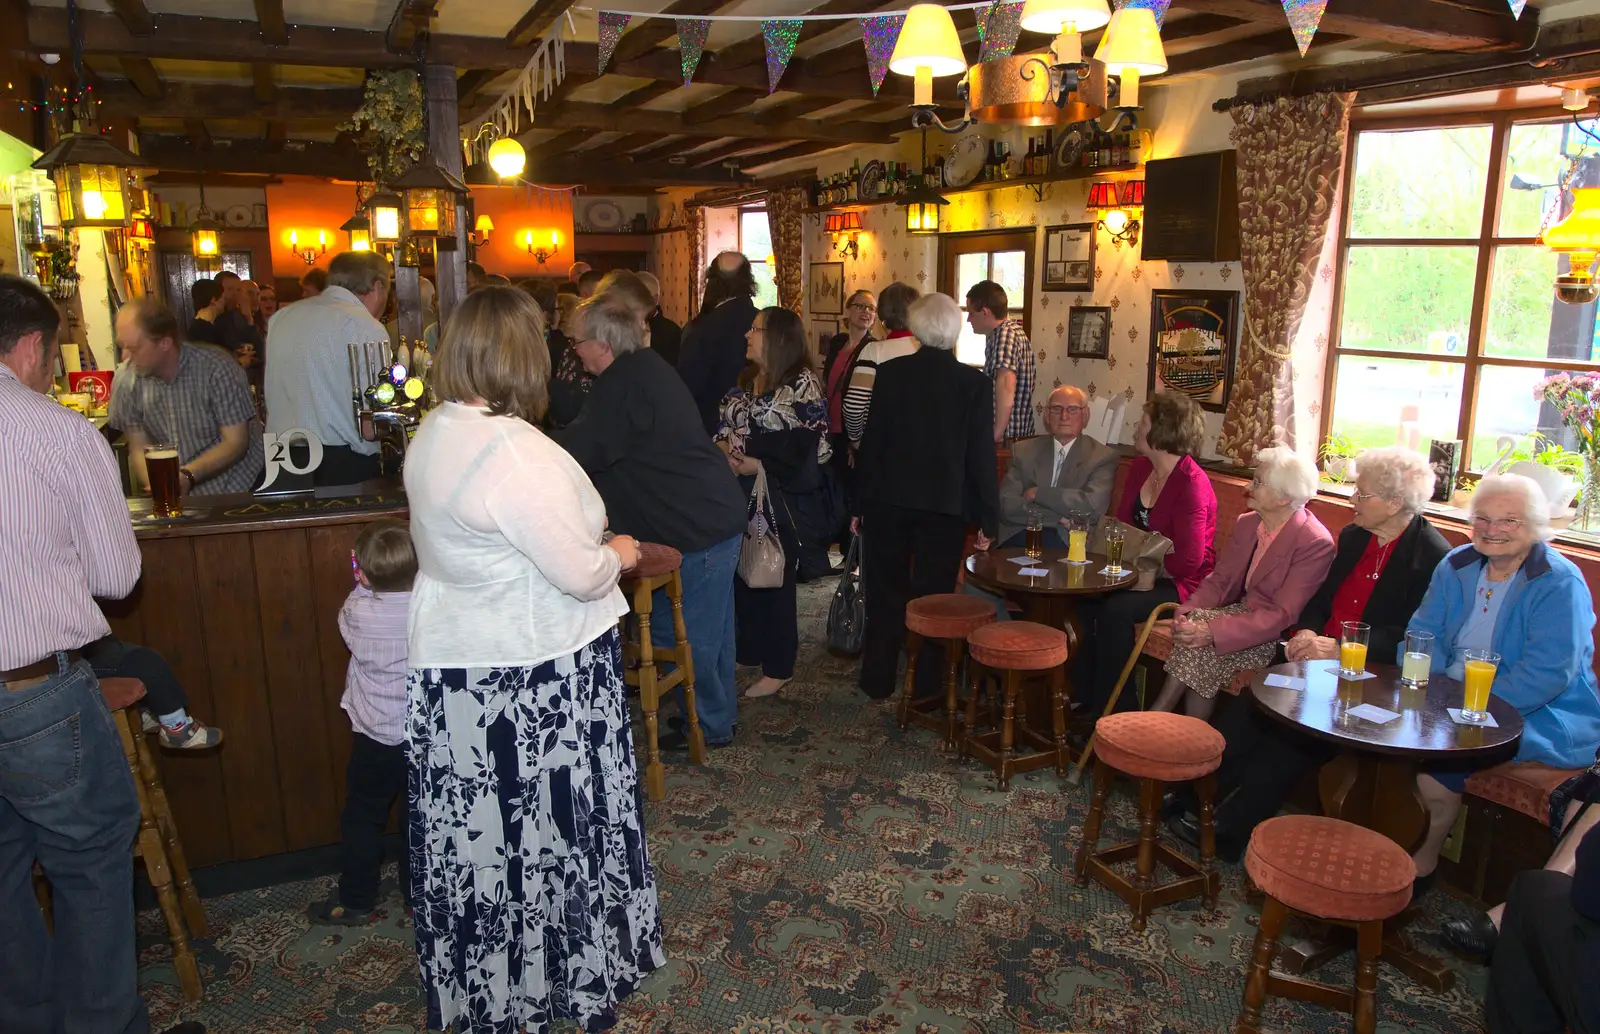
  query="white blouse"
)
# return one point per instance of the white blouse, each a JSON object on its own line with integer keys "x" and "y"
{"x": 510, "y": 566}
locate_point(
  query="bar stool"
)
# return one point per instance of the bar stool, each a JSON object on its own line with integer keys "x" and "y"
{"x": 1336, "y": 872}
{"x": 1155, "y": 748}
{"x": 157, "y": 844}
{"x": 1007, "y": 651}
{"x": 950, "y": 617}
{"x": 658, "y": 567}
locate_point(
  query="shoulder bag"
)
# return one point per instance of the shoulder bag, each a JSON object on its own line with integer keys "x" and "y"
{"x": 847, "y": 614}
{"x": 761, "y": 559}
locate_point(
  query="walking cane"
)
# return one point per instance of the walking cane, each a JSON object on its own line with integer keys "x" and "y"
{"x": 1127, "y": 669}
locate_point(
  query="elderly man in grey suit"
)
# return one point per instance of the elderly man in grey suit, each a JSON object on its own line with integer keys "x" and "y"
{"x": 1062, "y": 472}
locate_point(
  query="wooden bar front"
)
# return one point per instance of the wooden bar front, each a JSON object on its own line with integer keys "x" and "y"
{"x": 242, "y": 598}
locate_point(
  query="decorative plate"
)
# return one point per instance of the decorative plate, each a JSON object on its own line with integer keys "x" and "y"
{"x": 965, "y": 160}
{"x": 604, "y": 216}
{"x": 870, "y": 186}
{"x": 1069, "y": 149}
{"x": 237, "y": 216}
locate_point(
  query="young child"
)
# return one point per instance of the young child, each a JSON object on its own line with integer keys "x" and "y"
{"x": 373, "y": 622}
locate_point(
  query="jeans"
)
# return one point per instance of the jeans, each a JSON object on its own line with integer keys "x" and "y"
{"x": 375, "y": 776}
{"x": 708, "y": 618}
{"x": 113, "y": 658}
{"x": 67, "y": 800}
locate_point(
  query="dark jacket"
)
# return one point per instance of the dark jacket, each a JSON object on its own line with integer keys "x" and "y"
{"x": 929, "y": 442}
{"x": 666, "y": 338}
{"x": 640, "y": 441}
{"x": 203, "y": 332}
{"x": 1400, "y": 587}
{"x": 713, "y": 355}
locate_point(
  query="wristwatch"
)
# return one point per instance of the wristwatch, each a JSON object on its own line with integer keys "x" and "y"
{"x": 189, "y": 474}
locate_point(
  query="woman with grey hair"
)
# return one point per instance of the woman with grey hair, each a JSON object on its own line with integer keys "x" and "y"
{"x": 1386, "y": 555}
{"x": 925, "y": 470}
{"x": 1274, "y": 560}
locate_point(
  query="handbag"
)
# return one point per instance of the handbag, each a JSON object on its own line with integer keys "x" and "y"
{"x": 847, "y": 614}
{"x": 1143, "y": 551}
{"x": 761, "y": 559}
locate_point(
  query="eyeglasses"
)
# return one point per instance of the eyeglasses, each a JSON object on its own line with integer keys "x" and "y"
{"x": 1498, "y": 524}
{"x": 1065, "y": 410}
{"x": 862, "y": 307}
{"x": 1361, "y": 497}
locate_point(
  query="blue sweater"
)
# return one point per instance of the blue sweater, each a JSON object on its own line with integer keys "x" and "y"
{"x": 1544, "y": 637}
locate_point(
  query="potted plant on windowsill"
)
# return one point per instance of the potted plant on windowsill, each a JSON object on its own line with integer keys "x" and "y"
{"x": 1577, "y": 399}
{"x": 1338, "y": 455}
{"x": 1558, "y": 472}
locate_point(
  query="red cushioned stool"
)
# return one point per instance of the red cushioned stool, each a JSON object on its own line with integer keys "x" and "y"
{"x": 658, "y": 568}
{"x": 1156, "y": 748}
{"x": 950, "y": 617}
{"x": 1007, "y": 651}
{"x": 1339, "y": 873}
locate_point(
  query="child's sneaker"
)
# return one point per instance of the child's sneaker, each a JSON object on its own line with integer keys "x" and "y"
{"x": 331, "y": 913}
{"x": 191, "y": 735}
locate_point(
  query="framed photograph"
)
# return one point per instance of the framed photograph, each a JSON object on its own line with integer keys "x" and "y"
{"x": 1089, "y": 331}
{"x": 1194, "y": 339}
{"x": 823, "y": 331}
{"x": 1069, "y": 257}
{"x": 258, "y": 216}
{"x": 826, "y": 293}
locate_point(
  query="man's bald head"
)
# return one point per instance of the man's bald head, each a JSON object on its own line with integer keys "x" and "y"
{"x": 1066, "y": 412}
{"x": 728, "y": 276}
{"x": 730, "y": 261}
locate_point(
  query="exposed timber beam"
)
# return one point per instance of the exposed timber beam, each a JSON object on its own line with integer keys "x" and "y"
{"x": 263, "y": 84}
{"x": 134, "y": 15}
{"x": 754, "y": 49}
{"x": 1422, "y": 24}
{"x": 182, "y": 100}
{"x": 269, "y": 17}
{"x": 199, "y": 135}
{"x": 736, "y": 99}
{"x": 650, "y": 33}
{"x": 142, "y": 74}
{"x": 753, "y": 127}
{"x": 535, "y": 20}
{"x": 1248, "y": 49}
{"x": 410, "y": 18}
{"x": 277, "y": 133}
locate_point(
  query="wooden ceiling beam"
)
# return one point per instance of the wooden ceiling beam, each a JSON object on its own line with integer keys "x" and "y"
{"x": 199, "y": 135}
{"x": 269, "y": 19}
{"x": 410, "y": 18}
{"x": 1421, "y": 24}
{"x": 561, "y": 143}
{"x": 471, "y": 85}
{"x": 649, "y": 33}
{"x": 537, "y": 18}
{"x": 784, "y": 154}
{"x": 134, "y": 15}
{"x": 754, "y": 49}
{"x": 182, "y": 100}
{"x": 602, "y": 117}
{"x": 277, "y": 134}
{"x": 1250, "y": 48}
{"x": 736, "y": 99}
{"x": 718, "y": 155}
{"x": 141, "y": 72}
{"x": 263, "y": 84}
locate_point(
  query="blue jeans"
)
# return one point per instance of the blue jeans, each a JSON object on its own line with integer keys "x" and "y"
{"x": 708, "y": 618}
{"x": 66, "y": 800}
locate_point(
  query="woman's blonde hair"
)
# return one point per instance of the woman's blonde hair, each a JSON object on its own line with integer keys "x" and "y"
{"x": 1177, "y": 425}
{"x": 566, "y": 304}
{"x": 493, "y": 348}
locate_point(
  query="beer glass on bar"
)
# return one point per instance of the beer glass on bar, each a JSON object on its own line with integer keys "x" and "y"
{"x": 161, "y": 467}
{"x": 1114, "y": 540}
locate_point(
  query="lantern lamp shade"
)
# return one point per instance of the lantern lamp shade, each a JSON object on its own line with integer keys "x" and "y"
{"x": 922, "y": 205}
{"x": 830, "y": 223}
{"x": 1056, "y": 16}
{"x": 431, "y": 196}
{"x": 507, "y": 158}
{"x": 385, "y": 217}
{"x": 359, "y": 227}
{"x": 91, "y": 178}
{"x": 205, "y": 236}
{"x": 1132, "y": 43}
{"x": 1133, "y": 194}
{"x": 1103, "y": 195}
{"x": 1578, "y": 235}
{"x": 928, "y": 40}
{"x": 849, "y": 221}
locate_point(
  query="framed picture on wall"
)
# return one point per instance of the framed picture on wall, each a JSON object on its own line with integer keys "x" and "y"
{"x": 825, "y": 296}
{"x": 822, "y": 331}
{"x": 1194, "y": 339}
{"x": 1089, "y": 331}
{"x": 1069, "y": 257}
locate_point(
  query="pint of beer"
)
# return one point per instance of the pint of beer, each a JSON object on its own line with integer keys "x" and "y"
{"x": 161, "y": 466}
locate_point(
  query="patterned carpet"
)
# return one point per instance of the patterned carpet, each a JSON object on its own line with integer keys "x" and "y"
{"x": 828, "y": 873}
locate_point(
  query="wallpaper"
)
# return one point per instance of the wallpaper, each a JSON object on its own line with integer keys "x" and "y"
{"x": 669, "y": 253}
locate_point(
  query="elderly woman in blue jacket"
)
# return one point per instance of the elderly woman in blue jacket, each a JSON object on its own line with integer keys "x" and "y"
{"x": 1509, "y": 592}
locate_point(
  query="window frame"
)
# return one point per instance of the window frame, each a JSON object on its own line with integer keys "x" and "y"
{"x": 760, "y": 208}
{"x": 1488, "y": 242}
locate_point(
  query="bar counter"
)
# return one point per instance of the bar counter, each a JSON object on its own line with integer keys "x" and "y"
{"x": 242, "y": 596}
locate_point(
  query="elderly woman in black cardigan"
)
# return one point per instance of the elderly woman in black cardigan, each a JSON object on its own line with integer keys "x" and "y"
{"x": 1386, "y": 556}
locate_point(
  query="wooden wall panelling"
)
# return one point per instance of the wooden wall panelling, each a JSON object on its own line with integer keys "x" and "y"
{"x": 294, "y": 689}
{"x": 232, "y": 623}
{"x": 331, "y": 582}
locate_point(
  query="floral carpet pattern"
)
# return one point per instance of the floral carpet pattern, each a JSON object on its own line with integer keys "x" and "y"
{"x": 829, "y": 873}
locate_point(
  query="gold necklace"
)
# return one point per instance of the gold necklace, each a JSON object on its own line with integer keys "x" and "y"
{"x": 1383, "y": 558}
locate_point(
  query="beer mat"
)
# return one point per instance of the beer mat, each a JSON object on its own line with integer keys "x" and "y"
{"x": 1284, "y": 682}
{"x": 1075, "y": 563}
{"x": 1333, "y": 667}
{"x": 150, "y": 518}
{"x": 1375, "y": 715}
{"x": 1020, "y": 561}
{"x": 1032, "y": 571}
{"x": 1487, "y": 723}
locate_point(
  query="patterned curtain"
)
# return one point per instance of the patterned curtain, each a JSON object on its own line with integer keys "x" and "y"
{"x": 785, "y": 217}
{"x": 1291, "y": 151}
{"x": 695, "y": 216}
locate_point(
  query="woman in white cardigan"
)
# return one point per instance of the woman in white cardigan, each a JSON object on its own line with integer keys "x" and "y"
{"x": 535, "y": 899}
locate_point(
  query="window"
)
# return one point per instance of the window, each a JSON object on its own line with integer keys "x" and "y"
{"x": 755, "y": 240}
{"x": 1005, "y": 258}
{"x": 1445, "y": 316}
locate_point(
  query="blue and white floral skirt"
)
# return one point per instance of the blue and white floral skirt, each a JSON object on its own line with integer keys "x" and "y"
{"x": 534, "y": 896}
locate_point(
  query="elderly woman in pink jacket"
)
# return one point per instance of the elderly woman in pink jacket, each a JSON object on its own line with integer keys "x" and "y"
{"x": 1275, "y": 559}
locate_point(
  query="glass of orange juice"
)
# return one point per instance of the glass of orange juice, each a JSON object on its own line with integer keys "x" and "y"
{"x": 1353, "y": 648}
{"x": 1077, "y": 525}
{"x": 1478, "y": 676}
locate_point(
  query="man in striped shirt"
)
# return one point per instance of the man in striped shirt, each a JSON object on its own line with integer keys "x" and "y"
{"x": 67, "y": 799}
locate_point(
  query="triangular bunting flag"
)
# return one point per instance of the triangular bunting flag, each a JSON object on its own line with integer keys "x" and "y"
{"x": 1516, "y": 7}
{"x": 1304, "y": 17}
{"x": 1158, "y": 7}
{"x": 780, "y": 36}
{"x": 880, "y": 34}
{"x": 998, "y": 27}
{"x": 691, "y": 43}
{"x": 611, "y": 26}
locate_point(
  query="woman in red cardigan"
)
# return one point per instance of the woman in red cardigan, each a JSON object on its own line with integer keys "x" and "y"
{"x": 1168, "y": 493}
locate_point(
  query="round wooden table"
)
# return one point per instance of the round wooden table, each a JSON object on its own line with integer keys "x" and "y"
{"x": 1373, "y": 780}
{"x": 1049, "y": 598}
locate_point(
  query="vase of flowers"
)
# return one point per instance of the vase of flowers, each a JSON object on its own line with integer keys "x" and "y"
{"x": 1576, "y": 397}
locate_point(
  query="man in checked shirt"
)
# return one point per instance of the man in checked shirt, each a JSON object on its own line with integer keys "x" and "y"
{"x": 1007, "y": 359}
{"x": 67, "y": 799}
